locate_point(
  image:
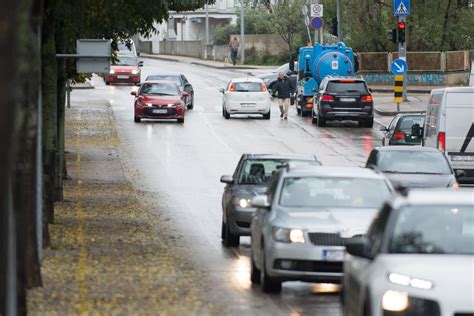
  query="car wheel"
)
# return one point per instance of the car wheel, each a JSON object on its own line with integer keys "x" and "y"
{"x": 181, "y": 120}
{"x": 191, "y": 105}
{"x": 268, "y": 284}
{"x": 298, "y": 110}
{"x": 254, "y": 271}
{"x": 137, "y": 119}
{"x": 314, "y": 119}
{"x": 107, "y": 83}
{"x": 225, "y": 113}
{"x": 267, "y": 116}
{"x": 230, "y": 240}
{"x": 321, "y": 121}
{"x": 369, "y": 123}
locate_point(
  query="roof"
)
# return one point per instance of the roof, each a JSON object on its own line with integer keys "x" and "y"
{"x": 282, "y": 156}
{"x": 246, "y": 79}
{"x": 407, "y": 148}
{"x": 343, "y": 172}
{"x": 436, "y": 197}
{"x": 455, "y": 89}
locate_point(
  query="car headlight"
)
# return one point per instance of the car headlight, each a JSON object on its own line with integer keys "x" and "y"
{"x": 401, "y": 279}
{"x": 140, "y": 103}
{"x": 288, "y": 235}
{"x": 112, "y": 71}
{"x": 134, "y": 72}
{"x": 242, "y": 202}
{"x": 395, "y": 301}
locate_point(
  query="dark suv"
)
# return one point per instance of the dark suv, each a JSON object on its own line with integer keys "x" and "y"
{"x": 342, "y": 98}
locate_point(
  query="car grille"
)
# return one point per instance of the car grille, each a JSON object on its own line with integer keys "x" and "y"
{"x": 169, "y": 112}
{"x": 309, "y": 266}
{"x": 326, "y": 239}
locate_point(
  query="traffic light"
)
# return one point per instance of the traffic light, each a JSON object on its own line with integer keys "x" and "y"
{"x": 392, "y": 35}
{"x": 333, "y": 27}
{"x": 401, "y": 32}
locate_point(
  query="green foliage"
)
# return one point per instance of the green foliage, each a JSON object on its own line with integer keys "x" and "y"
{"x": 222, "y": 33}
{"x": 254, "y": 57}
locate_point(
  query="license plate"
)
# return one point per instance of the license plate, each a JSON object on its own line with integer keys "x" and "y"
{"x": 160, "y": 111}
{"x": 248, "y": 105}
{"x": 333, "y": 255}
{"x": 122, "y": 77}
{"x": 347, "y": 99}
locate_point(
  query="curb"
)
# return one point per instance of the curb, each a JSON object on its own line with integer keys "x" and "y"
{"x": 222, "y": 67}
{"x": 390, "y": 90}
{"x": 83, "y": 87}
{"x": 160, "y": 58}
{"x": 393, "y": 113}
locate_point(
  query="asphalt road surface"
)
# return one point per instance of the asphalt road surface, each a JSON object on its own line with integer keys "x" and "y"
{"x": 181, "y": 164}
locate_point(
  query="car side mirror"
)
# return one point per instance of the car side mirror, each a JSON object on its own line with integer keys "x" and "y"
{"x": 383, "y": 129}
{"x": 227, "y": 179}
{"x": 187, "y": 85}
{"x": 358, "y": 247}
{"x": 133, "y": 92}
{"x": 460, "y": 173}
{"x": 140, "y": 64}
{"x": 370, "y": 90}
{"x": 221, "y": 90}
{"x": 261, "y": 201}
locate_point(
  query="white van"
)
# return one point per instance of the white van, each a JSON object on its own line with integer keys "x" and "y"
{"x": 449, "y": 126}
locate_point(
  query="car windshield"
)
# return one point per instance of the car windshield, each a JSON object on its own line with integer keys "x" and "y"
{"x": 126, "y": 61}
{"x": 343, "y": 87}
{"x": 434, "y": 229}
{"x": 259, "y": 171}
{"x": 159, "y": 89}
{"x": 333, "y": 192}
{"x": 407, "y": 161}
{"x": 167, "y": 78}
{"x": 247, "y": 86}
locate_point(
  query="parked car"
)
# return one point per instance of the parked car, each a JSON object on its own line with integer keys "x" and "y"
{"x": 449, "y": 127}
{"x": 302, "y": 222}
{"x": 416, "y": 259}
{"x": 413, "y": 167}
{"x": 250, "y": 179}
{"x": 183, "y": 83}
{"x": 246, "y": 96}
{"x": 405, "y": 129}
{"x": 342, "y": 98}
{"x": 126, "y": 69}
{"x": 159, "y": 100}
{"x": 271, "y": 77}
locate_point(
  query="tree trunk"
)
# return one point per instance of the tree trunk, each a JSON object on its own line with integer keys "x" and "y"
{"x": 445, "y": 24}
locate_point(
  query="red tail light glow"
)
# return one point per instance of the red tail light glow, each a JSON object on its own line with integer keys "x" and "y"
{"x": 366, "y": 98}
{"x": 264, "y": 87}
{"x": 309, "y": 105}
{"x": 442, "y": 141}
{"x": 399, "y": 136}
{"x": 232, "y": 88}
{"x": 327, "y": 98}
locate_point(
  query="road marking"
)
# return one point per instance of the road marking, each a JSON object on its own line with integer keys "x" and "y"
{"x": 198, "y": 108}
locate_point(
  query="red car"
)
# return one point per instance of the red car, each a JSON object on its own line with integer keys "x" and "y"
{"x": 159, "y": 100}
{"x": 125, "y": 70}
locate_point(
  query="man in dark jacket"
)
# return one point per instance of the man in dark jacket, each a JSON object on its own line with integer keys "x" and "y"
{"x": 283, "y": 89}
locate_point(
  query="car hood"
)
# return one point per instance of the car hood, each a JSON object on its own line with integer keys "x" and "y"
{"x": 420, "y": 180}
{"x": 249, "y": 191}
{"x": 345, "y": 221}
{"x": 160, "y": 100}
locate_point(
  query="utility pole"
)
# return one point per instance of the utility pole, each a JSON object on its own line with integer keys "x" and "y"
{"x": 207, "y": 24}
{"x": 338, "y": 17}
{"x": 242, "y": 33}
{"x": 317, "y": 36}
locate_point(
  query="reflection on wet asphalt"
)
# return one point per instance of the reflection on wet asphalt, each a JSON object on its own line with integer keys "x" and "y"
{"x": 180, "y": 165}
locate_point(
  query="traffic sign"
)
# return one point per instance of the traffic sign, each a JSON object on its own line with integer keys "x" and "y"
{"x": 399, "y": 67}
{"x": 316, "y": 23}
{"x": 304, "y": 10}
{"x": 401, "y": 7}
{"x": 316, "y": 10}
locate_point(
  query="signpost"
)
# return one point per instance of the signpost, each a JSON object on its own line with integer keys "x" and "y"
{"x": 402, "y": 10}
{"x": 316, "y": 23}
{"x": 399, "y": 67}
{"x": 316, "y": 10}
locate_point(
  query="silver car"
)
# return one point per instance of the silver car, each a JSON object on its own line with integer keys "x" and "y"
{"x": 250, "y": 179}
{"x": 301, "y": 224}
{"x": 416, "y": 259}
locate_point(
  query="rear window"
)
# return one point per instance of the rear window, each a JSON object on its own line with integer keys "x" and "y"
{"x": 406, "y": 123}
{"x": 339, "y": 86}
{"x": 247, "y": 86}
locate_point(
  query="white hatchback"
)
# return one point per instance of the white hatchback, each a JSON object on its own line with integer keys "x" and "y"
{"x": 246, "y": 96}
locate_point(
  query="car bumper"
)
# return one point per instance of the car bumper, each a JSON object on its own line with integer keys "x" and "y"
{"x": 347, "y": 115}
{"x": 240, "y": 107}
{"x": 239, "y": 220}
{"x": 303, "y": 262}
{"x": 149, "y": 113}
{"x": 117, "y": 79}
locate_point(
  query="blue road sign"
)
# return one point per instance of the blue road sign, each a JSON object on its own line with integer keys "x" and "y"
{"x": 316, "y": 23}
{"x": 399, "y": 67}
{"x": 401, "y": 7}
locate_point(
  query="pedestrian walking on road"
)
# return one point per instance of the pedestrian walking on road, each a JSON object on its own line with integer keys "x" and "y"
{"x": 283, "y": 89}
{"x": 234, "y": 49}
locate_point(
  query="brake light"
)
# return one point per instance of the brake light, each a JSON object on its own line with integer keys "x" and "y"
{"x": 309, "y": 105}
{"x": 232, "y": 88}
{"x": 399, "y": 136}
{"x": 347, "y": 81}
{"x": 327, "y": 98}
{"x": 442, "y": 141}
{"x": 264, "y": 87}
{"x": 366, "y": 98}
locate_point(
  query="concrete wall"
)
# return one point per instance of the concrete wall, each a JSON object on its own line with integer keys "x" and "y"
{"x": 273, "y": 43}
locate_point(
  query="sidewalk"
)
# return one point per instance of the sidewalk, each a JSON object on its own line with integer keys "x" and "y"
{"x": 111, "y": 254}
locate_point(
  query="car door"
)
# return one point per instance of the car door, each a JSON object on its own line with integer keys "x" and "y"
{"x": 228, "y": 194}
{"x": 389, "y": 132}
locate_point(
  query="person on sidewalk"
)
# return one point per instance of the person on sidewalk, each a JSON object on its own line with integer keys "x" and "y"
{"x": 234, "y": 49}
{"x": 283, "y": 89}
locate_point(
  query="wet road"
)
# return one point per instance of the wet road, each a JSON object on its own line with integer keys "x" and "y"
{"x": 180, "y": 165}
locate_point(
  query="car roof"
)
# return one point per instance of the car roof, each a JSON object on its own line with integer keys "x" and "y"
{"x": 421, "y": 113}
{"x": 435, "y": 197}
{"x": 455, "y": 89}
{"x": 407, "y": 148}
{"x": 345, "y": 78}
{"x": 338, "y": 172}
{"x": 246, "y": 79}
{"x": 282, "y": 156}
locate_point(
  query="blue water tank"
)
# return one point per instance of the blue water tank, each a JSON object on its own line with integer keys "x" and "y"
{"x": 332, "y": 61}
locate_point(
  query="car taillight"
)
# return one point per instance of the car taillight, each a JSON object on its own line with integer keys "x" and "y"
{"x": 327, "y": 98}
{"x": 232, "y": 88}
{"x": 442, "y": 141}
{"x": 264, "y": 87}
{"x": 399, "y": 136}
{"x": 366, "y": 98}
{"x": 309, "y": 105}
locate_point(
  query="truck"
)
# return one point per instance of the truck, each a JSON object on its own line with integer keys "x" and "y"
{"x": 314, "y": 64}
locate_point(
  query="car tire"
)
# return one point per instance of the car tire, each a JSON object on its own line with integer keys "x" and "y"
{"x": 267, "y": 116}
{"x": 267, "y": 283}
{"x": 321, "y": 122}
{"x": 181, "y": 120}
{"x": 107, "y": 83}
{"x": 369, "y": 123}
{"x": 225, "y": 113}
{"x": 137, "y": 119}
{"x": 298, "y": 110}
{"x": 314, "y": 119}
{"x": 191, "y": 105}
{"x": 229, "y": 240}
{"x": 254, "y": 271}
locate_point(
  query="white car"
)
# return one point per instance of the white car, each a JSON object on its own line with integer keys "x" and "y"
{"x": 416, "y": 259}
{"x": 246, "y": 96}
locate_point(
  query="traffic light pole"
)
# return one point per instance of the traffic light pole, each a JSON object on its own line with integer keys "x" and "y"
{"x": 402, "y": 54}
{"x": 338, "y": 16}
